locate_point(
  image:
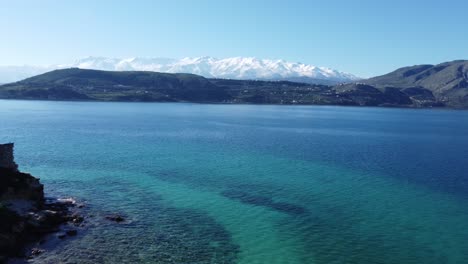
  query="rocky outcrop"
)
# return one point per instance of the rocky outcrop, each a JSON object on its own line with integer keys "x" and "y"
{"x": 15, "y": 185}
{"x": 115, "y": 218}
{"x": 25, "y": 214}
{"x": 6, "y": 156}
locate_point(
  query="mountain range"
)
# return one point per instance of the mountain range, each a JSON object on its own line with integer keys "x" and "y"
{"x": 209, "y": 67}
{"x": 442, "y": 85}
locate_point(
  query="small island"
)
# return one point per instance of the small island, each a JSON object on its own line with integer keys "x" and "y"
{"x": 26, "y": 216}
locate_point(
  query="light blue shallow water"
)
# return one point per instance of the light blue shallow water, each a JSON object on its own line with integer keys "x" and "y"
{"x": 250, "y": 184}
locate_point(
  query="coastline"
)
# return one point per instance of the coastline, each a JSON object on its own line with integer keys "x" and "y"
{"x": 245, "y": 103}
{"x": 27, "y": 216}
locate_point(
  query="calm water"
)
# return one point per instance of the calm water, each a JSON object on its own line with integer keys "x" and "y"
{"x": 250, "y": 184}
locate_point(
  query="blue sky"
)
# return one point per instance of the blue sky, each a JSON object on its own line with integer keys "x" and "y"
{"x": 363, "y": 37}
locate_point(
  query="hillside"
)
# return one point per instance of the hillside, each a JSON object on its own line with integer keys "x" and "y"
{"x": 443, "y": 85}
{"x": 94, "y": 85}
{"x": 79, "y": 84}
{"x": 446, "y": 83}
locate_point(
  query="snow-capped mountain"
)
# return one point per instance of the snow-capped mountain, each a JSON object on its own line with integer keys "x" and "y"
{"x": 229, "y": 68}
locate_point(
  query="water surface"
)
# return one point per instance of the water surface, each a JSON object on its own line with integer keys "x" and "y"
{"x": 250, "y": 184}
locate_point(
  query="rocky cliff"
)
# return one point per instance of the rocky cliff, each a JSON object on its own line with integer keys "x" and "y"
{"x": 7, "y": 159}
{"x": 15, "y": 185}
{"x": 25, "y": 215}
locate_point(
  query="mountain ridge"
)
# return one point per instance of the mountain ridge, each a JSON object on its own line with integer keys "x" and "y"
{"x": 447, "y": 81}
{"x": 228, "y": 68}
{"x": 441, "y": 85}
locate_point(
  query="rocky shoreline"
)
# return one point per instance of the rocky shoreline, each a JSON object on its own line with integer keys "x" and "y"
{"x": 26, "y": 215}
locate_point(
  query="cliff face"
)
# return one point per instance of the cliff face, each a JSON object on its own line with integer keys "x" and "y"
{"x": 25, "y": 216}
{"x": 14, "y": 184}
{"x": 6, "y": 156}
{"x": 15, "y": 188}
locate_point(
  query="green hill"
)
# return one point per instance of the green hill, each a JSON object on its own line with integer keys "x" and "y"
{"x": 443, "y": 85}
{"x": 79, "y": 84}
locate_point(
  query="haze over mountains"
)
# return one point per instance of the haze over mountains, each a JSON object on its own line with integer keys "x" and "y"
{"x": 209, "y": 67}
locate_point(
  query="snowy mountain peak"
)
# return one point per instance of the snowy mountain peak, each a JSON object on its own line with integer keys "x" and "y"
{"x": 210, "y": 67}
{"x": 231, "y": 68}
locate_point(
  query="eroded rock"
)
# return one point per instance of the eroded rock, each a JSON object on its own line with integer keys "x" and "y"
{"x": 25, "y": 214}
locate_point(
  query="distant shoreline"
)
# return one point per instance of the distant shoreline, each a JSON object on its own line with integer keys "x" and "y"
{"x": 412, "y": 87}
{"x": 255, "y": 104}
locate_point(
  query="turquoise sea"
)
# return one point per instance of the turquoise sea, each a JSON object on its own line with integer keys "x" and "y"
{"x": 248, "y": 183}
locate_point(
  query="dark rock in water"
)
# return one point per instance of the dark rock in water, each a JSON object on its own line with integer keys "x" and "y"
{"x": 50, "y": 218}
{"x": 115, "y": 218}
{"x": 76, "y": 219}
{"x": 36, "y": 251}
{"x": 72, "y": 232}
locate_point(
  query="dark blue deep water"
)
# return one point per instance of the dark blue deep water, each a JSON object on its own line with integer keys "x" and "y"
{"x": 250, "y": 184}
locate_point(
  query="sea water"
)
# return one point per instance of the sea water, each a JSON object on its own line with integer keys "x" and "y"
{"x": 250, "y": 183}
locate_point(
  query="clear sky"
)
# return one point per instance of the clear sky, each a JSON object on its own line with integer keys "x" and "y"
{"x": 366, "y": 37}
